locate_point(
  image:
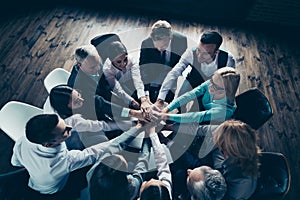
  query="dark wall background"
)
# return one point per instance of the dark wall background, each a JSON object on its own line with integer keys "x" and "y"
{"x": 283, "y": 13}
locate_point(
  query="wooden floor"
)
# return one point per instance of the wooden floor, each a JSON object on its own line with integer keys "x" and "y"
{"x": 33, "y": 44}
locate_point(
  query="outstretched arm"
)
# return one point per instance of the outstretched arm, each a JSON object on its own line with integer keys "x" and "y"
{"x": 161, "y": 161}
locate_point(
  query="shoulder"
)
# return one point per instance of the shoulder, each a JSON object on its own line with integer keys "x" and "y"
{"x": 178, "y": 35}
{"x": 107, "y": 65}
{"x": 74, "y": 71}
{"x": 223, "y": 52}
{"x": 147, "y": 42}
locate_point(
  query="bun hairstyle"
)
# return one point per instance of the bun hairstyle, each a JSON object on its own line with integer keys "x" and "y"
{"x": 231, "y": 81}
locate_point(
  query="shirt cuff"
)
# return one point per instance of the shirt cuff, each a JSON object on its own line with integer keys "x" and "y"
{"x": 125, "y": 112}
{"x": 162, "y": 95}
{"x": 141, "y": 93}
{"x": 154, "y": 138}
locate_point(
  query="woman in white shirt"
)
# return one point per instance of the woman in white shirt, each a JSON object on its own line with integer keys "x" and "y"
{"x": 123, "y": 75}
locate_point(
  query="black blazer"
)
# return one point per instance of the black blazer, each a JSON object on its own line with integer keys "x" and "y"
{"x": 150, "y": 57}
{"x": 87, "y": 86}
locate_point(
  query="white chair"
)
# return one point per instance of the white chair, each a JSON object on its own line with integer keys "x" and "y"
{"x": 14, "y": 116}
{"x": 47, "y": 108}
{"x": 56, "y": 77}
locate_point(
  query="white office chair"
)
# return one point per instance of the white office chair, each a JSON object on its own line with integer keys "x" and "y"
{"x": 56, "y": 77}
{"x": 47, "y": 108}
{"x": 14, "y": 116}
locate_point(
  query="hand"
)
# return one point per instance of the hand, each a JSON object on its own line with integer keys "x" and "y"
{"x": 146, "y": 109}
{"x": 139, "y": 115}
{"x": 134, "y": 104}
{"x": 155, "y": 108}
{"x": 165, "y": 110}
{"x": 159, "y": 103}
{"x": 161, "y": 115}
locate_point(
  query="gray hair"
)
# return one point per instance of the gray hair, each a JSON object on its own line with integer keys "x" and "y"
{"x": 82, "y": 52}
{"x": 213, "y": 187}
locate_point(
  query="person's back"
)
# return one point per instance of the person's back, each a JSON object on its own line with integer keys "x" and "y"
{"x": 44, "y": 154}
{"x": 109, "y": 181}
{"x": 237, "y": 158}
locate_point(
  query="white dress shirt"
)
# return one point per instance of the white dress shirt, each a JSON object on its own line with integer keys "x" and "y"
{"x": 186, "y": 60}
{"x": 118, "y": 80}
{"x": 161, "y": 161}
{"x": 49, "y": 167}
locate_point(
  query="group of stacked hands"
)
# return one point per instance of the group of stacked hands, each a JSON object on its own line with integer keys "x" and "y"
{"x": 103, "y": 94}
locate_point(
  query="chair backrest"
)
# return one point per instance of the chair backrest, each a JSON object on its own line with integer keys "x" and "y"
{"x": 47, "y": 108}
{"x": 56, "y": 77}
{"x": 102, "y": 42}
{"x": 14, "y": 116}
{"x": 253, "y": 108}
{"x": 275, "y": 177}
{"x": 13, "y": 184}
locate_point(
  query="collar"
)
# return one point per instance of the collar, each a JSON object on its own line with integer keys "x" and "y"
{"x": 59, "y": 148}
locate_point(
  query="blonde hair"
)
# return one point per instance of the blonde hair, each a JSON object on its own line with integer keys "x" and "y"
{"x": 238, "y": 141}
{"x": 82, "y": 52}
{"x": 161, "y": 29}
{"x": 231, "y": 81}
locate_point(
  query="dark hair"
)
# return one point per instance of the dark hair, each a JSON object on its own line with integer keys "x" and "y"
{"x": 59, "y": 99}
{"x": 116, "y": 48}
{"x": 155, "y": 192}
{"x": 81, "y": 52}
{"x": 212, "y": 37}
{"x": 38, "y": 129}
{"x": 109, "y": 180}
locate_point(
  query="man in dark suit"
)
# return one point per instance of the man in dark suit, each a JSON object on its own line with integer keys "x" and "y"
{"x": 86, "y": 75}
{"x": 159, "y": 54}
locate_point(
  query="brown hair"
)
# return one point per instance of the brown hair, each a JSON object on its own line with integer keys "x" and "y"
{"x": 231, "y": 81}
{"x": 238, "y": 141}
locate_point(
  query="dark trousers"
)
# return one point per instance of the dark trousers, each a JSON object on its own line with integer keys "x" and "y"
{"x": 154, "y": 91}
{"x": 76, "y": 182}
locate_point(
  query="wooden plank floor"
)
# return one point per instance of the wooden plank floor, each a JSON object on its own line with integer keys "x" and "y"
{"x": 34, "y": 44}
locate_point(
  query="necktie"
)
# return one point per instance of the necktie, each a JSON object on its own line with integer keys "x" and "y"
{"x": 163, "y": 57}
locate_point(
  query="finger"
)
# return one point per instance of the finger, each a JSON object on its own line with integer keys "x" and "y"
{"x": 156, "y": 108}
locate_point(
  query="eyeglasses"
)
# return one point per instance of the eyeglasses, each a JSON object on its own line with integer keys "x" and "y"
{"x": 67, "y": 129}
{"x": 215, "y": 86}
{"x": 124, "y": 60}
